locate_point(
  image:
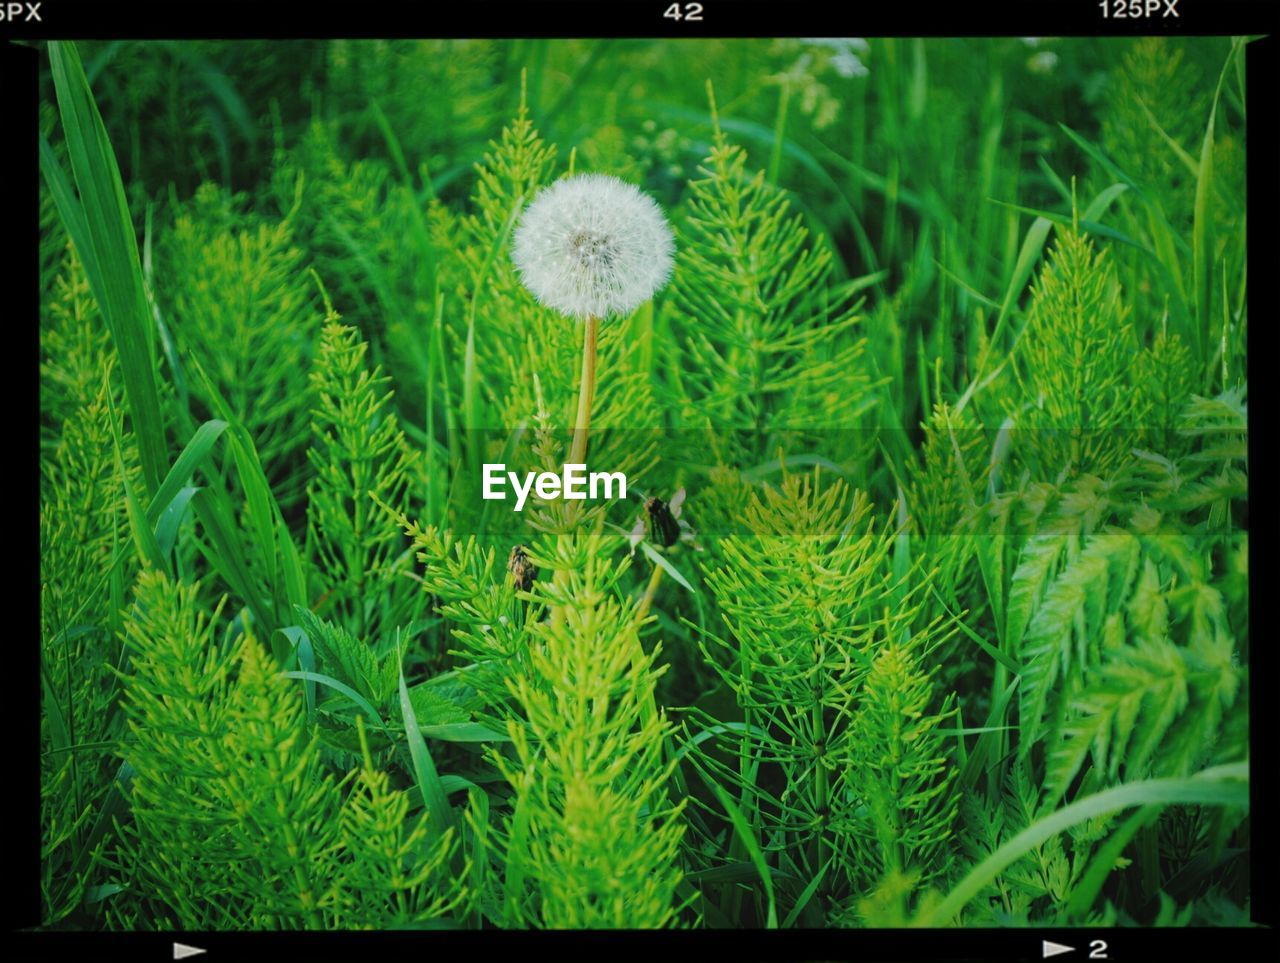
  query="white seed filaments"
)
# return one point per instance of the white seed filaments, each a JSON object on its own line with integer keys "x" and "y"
{"x": 594, "y": 252}
{"x": 593, "y": 245}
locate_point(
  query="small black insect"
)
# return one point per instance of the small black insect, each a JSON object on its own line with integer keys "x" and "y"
{"x": 661, "y": 527}
{"x": 523, "y": 571}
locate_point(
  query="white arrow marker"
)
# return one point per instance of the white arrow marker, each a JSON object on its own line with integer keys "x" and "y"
{"x": 1051, "y": 948}
{"x": 181, "y": 951}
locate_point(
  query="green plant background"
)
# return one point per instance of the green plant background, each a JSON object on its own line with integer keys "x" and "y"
{"x": 951, "y": 373}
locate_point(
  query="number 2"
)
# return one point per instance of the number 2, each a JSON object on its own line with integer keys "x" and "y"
{"x": 1098, "y": 950}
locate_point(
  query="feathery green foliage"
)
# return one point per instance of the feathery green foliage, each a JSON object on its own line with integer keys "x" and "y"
{"x": 824, "y": 660}
{"x": 770, "y": 346}
{"x": 909, "y": 773}
{"x": 591, "y": 834}
{"x": 235, "y": 295}
{"x": 229, "y": 797}
{"x": 84, "y": 566}
{"x": 363, "y": 465}
{"x": 1080, "y": 407}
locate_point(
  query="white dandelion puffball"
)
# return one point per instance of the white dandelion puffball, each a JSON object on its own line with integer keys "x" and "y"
{"x": 593, "y": 245}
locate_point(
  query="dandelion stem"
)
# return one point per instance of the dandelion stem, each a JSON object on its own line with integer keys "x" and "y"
{"x": 649, "y": 592}
{"x": 586, "y": 392}
{"x": 581, "y": 428}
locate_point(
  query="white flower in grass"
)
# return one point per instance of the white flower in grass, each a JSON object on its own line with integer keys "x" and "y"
{"x": 849, "y": 64}
{"x": 1042, "y": 62}
{"x": 593, "y": 245}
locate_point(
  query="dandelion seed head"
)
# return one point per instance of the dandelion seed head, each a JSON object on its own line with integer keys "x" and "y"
{"x": 593, "y": 245}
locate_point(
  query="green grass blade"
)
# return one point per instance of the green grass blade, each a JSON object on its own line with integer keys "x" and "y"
{"x": 1083, "y": 222}
{"x": 990, "y": 736}
{"x": 440, "y": 815}
{"x": 70, "y": 211}
{"x": 143, "y": 536}
{"x": 463, "y": 732}
{"x": 1028, "y": 255}
{"x": 226, "y": 555}
{"x": 513, "y": 885}
{"x": 114, "y": 807}
{"x": 193, "y": 455}
{"x": 1104, "y": 861}
{"x": 326, "y": 680}
{"x": 1202, "y": 234}
{"x": 805, "y": 896}
{"x": 166, "y": 526}
{"x": 1106, "y": 163}
{"x": 60, "y": 736}
{"x": 108, "y": 232}
{"x": 1004, "y": 659}
{"x": 276, "y": 552}
{"x": 664, "y": 563}
{"x": 471, "y": 400}
{"x": 301, "y": 643}
{"x": 748, "y": 838}
{"x": 1098, "y": 206}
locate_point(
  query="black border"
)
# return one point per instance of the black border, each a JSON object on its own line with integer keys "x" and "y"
{"x": 264, "y": 19}
{"x": 1262, "y": 80}
{"x": 19, "y": 92}
{"x": 152, "y": 19}
{"x": 1204, "y": 944}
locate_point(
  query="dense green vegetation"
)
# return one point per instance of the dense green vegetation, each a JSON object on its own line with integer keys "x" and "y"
{"x": 942, "y": 614}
